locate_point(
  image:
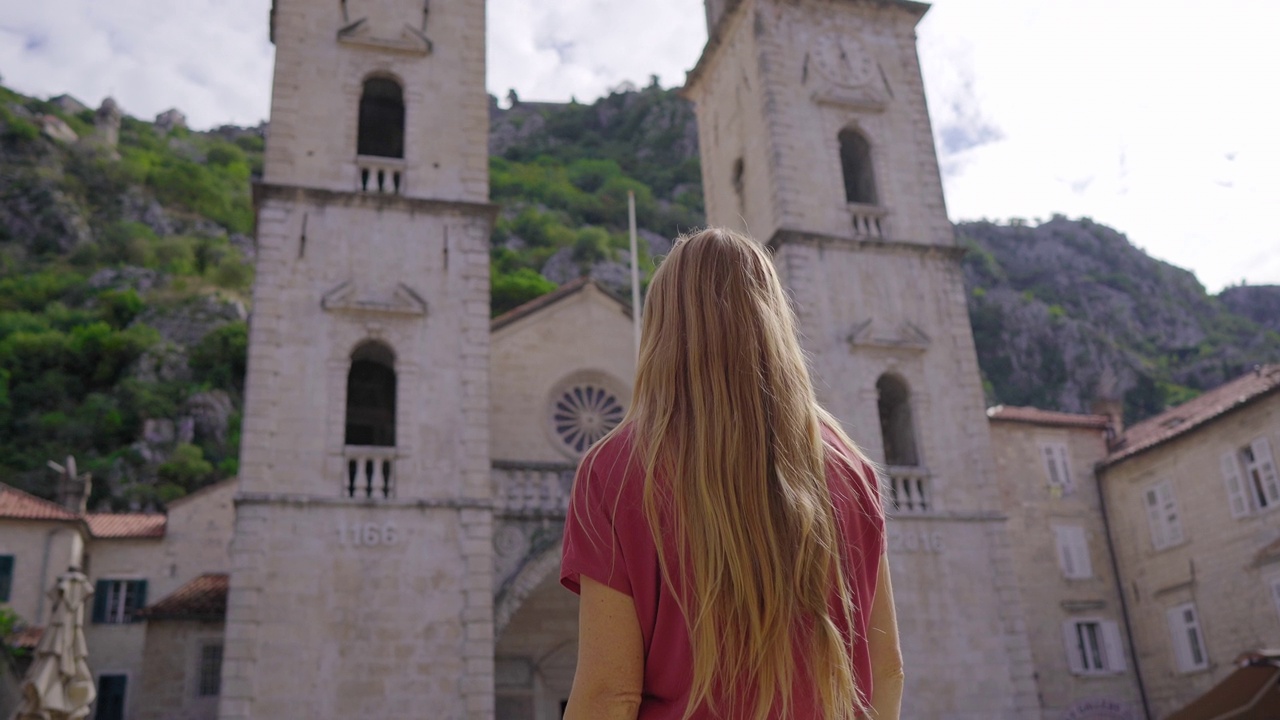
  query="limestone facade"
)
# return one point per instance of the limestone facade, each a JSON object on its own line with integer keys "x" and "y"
{"x": 362, "y": 560}
{"x": 816, "y": 140}
{"x": 1198, "y": 550}
{"x": 1075, "y": 621}
{"x": 40, "y": 551}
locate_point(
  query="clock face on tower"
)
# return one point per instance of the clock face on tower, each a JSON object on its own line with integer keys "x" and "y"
{"x": 843, "y": 60}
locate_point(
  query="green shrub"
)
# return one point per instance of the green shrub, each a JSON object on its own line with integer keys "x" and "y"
{"x": 219, "y": 359}
{"x": 514, "y": 289}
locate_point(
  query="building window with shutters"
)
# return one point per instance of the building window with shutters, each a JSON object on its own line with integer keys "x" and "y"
{"x": 6, "y": 577}
{"x": 1162, "y": 515}
{"x": 1073, "y": 552}
{"x": 1057, "y": 467}
{"x": 210, "y": 670}
{"x": 1093, "y": 646}
{"x": 1188, "y": 641}
{"x": 118, "y": 601}
{"x": 1250, "y": 476}
{"x": 1273, "y": 585}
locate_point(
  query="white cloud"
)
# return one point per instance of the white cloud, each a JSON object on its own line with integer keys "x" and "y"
{"x": 209, "y": 58}
{"x": 1149, "y": 115}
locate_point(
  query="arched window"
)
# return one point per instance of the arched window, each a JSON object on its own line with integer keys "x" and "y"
{"x": 896, "y": 426}
{"x": 855, "y": 162}
{"x": 371, "y": 397}
{"x": 381, "y": 119}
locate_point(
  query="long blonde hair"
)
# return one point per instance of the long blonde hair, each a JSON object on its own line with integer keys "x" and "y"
{"x": 730, "y": 436}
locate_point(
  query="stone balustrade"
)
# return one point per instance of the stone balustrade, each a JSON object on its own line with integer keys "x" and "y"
{"x": 532, "y": 489}
{"x": 369, "y": 472}
{"x": 381, "y": 175}
{"x": 869, "y": 221}
{"x": 907, "y": 491}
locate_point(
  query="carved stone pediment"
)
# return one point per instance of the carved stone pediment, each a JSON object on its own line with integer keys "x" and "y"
{"x": 402, "y": 300}
{"x": 869, "y": 98}
{"x": 395, "y": 25}
{"x": 905, "y": 336}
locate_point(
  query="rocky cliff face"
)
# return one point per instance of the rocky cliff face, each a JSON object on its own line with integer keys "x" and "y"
{"x": 1069, "y": 311}
{"x": 1259, "y": 303}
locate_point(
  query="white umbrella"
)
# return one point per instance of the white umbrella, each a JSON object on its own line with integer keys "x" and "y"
{"x": 59, "y": 685}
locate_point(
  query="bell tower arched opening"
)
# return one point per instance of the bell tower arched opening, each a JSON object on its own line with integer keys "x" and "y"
{"x": 855, "y": 164}
{"x": 896, "y": 427}
{"x": 381, "y": 132}
{"x": 370, "y": 434}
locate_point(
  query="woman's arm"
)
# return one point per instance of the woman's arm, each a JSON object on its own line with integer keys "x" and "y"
{"x": 610, "y": 674}
{"x": 886, "y": 655}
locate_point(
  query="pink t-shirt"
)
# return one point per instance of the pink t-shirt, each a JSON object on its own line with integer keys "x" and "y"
{"x": 607, "y": 538}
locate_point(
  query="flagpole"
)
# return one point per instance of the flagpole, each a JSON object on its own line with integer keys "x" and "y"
{"x": 635, "y": 269}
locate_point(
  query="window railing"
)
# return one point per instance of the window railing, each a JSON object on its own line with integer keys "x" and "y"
{"x": 532, "y": 489}
{"x": 380, "y": 175}
{"x": 869, "y": 221}
{"x": 907, "y": 491}
{"x": 369, "y": 472}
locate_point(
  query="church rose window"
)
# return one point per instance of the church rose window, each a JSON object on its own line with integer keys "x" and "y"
{"x": 584, "y": 413}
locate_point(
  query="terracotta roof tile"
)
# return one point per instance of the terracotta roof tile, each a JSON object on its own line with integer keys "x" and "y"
{"x": 1194, "y": 413}
{"x": 1036, "y": 416}
{"x": 126, "y": 525}
{"x": 15, "y": 503}
{"x": 204, "y": 598}
{"x": 26, "y": 638}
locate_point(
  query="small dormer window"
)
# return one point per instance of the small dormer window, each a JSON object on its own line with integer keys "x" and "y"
{"x": 855, "y": 162}
{"x": 381, "y": 119}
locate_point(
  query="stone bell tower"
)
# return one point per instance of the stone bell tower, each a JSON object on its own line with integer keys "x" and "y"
{"x": 362, "y": 556}
{"x": 816, "y": 140}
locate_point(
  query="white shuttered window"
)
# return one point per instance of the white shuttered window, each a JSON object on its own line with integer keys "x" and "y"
{"x": 1188, "y": 640}
{"x": 1093, "y": 646}
{"x": 1250, "y": 476}
{"x": 1056, "y": 465}
{"x": 1073, "y": 552}
{"x": 1274, "y": 585}
{"x": 1162, "y": 515}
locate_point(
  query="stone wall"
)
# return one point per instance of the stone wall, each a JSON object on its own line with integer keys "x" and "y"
{"x": 1034, "y": 508}
{"x": 1222, "y": 565}
{"x": 42, "y": 550}
{"x": 170, "y": 688}
{"x": 587, "y": 336}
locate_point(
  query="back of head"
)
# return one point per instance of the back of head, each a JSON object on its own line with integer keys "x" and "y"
{"x": 731, "y": 436}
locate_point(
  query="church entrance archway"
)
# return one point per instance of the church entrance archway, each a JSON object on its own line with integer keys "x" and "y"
{"x": 536, "y": 653}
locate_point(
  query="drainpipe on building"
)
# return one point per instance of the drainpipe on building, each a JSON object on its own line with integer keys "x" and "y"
{"x": 1124, "y": 605}
{"x": 44, "y": 575}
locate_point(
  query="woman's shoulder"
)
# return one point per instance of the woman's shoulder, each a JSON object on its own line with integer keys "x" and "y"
{"x": 610, "y": 461}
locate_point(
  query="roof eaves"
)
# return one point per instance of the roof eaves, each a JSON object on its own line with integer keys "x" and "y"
{"x": 1123, "y": 454}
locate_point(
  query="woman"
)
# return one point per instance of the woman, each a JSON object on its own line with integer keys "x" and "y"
{"x": 727, "y": 538}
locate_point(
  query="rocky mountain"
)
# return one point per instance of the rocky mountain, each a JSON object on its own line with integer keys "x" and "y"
{"x": 1069, "y": 311}
{"x": 126, "y": 262}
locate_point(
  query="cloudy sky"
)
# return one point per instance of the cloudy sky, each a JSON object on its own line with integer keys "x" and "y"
{"x": 1153, "y": 116}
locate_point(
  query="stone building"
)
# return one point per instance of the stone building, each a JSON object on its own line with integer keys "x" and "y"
{"x": 362, "y": 561}
{"x": 1191, "y": 496}
{"x": 815, "y": 138}
{"x": 1075, "y": 617}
